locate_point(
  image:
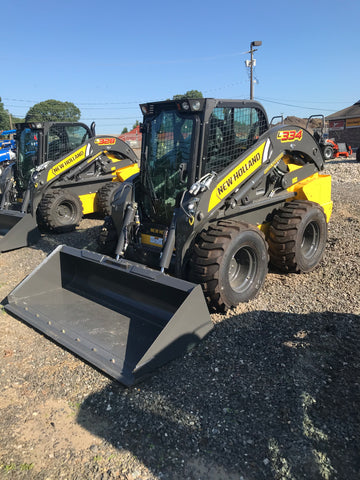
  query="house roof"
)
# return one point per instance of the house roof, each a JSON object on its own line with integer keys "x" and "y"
{"x": 349, "y": 112}
{"x": 134, "y": 134}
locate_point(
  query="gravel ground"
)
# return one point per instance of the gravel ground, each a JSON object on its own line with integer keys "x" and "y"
{"x": 271, "y": 393}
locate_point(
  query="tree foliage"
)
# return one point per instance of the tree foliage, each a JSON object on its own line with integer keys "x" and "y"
{"x": 124, "y": 130}
{"x": 16, "y": 120}
{"x": 53, "y": 111}
{"x": 188, "y": 94}
{"x": 4, "y": 118}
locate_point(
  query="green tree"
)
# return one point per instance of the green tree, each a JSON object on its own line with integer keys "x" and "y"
{"x": 124, "y": 130}
{"x": 4, "y": 117}
{"x": 189, "y": 94}
{"x": 16, "y": 120}
{"x": 136, "y": 124}
{"x": 53, "y": 111}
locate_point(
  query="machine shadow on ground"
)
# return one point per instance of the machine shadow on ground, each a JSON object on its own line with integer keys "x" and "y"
{"x": 79, "y": 238}
{"x": 265, "y": 395}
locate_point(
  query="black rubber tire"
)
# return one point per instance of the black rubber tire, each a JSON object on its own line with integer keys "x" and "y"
{"x": 105, "y": 197}
{"x": 328, "y": 153}
{"x": 108, "y": 237}
{"x": 297, "y": 237}
{"x": 230, "y": 261}
{"x": 59, "y": 211}
{"x": 358, "y": 154}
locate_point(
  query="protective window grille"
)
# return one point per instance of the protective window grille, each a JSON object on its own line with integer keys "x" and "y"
{"x": 231, "y": 132}
{"x": 62, "y": 139}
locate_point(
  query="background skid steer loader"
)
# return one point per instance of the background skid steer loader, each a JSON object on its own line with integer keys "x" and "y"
{"x": 62, "y": 172}
{"x": 219, "y": 192}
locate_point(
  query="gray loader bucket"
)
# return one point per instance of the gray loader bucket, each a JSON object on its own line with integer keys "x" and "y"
{"x": 17, "y": 230}
{"x": 122, "y": 317}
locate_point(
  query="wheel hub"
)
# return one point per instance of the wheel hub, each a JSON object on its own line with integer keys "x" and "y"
{"x": 241, "y": 269}
{"x": 310, "y": 240}
{"x": 65, "y": 212}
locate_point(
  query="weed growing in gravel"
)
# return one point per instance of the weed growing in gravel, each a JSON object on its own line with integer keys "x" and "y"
{"x": 75, "y": 406}
{"x": 9, "y": 467}
{"x": 24, "y": 467}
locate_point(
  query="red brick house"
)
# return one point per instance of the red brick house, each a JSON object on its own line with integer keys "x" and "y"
{"x": 132, "y": 138}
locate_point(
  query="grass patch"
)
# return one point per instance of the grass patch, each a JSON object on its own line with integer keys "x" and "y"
{"x": 23, "y": 467}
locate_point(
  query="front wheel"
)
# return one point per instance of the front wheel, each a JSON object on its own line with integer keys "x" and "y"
{"x": 297, "y": 237}
{"x": 230, "y": 260}
{"x": 59, "y": 211}
{"x": 328, "y": 153}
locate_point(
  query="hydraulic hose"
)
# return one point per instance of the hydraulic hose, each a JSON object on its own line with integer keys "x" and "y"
{"x": 122, "y": 240}
{"x": 169, "y": 246}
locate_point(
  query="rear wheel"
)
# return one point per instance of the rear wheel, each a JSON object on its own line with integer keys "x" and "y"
{"x": 60, "y": 211}
{"x": 105, "y": 197}
{"x": 297, "y": 236}
{"x": 230, "y": 260}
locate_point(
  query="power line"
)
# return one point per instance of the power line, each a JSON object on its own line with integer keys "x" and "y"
{"x": 291, "y": 105}
{"x": 87, "y": 103}
{"x": 82, "y": 108}
{"x": 105, "y": 105}
{"x": 109, "y": 118}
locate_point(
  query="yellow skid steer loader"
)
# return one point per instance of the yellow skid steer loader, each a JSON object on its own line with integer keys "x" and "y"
{"x": 62, "y": 172}
{"x": 220, "y": 193}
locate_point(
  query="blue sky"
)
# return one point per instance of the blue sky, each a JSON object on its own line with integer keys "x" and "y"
{"x": 107, "y": 57}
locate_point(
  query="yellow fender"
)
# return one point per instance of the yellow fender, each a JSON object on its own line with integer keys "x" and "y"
{"x": 316, "y": 188}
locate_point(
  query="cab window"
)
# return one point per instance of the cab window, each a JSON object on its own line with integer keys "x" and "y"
{"x": 63, "y": 139}
{"x": 232, "y": 131}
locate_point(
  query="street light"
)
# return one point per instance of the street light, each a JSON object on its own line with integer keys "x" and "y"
{"x": 251, "y": 63}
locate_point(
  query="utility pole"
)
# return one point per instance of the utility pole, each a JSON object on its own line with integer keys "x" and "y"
{"x": 251, "y": 63}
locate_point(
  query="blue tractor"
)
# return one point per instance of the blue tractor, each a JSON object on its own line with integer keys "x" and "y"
{"x": 7, "y": 149}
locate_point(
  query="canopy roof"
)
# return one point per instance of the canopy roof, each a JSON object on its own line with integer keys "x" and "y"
{"x": 349, "y": 112}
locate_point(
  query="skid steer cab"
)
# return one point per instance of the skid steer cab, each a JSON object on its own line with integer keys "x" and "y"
{"x": 62, "y": 172}
{"x": 219, "y": 194}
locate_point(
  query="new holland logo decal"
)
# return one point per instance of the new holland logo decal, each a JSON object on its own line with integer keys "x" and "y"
{"x": 240, "y": 173}
{"x": 67, "y": 163}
